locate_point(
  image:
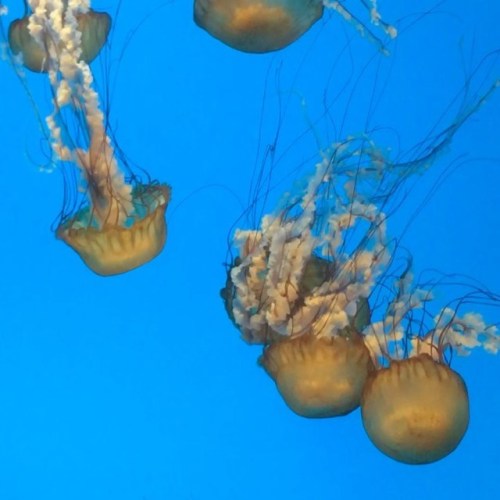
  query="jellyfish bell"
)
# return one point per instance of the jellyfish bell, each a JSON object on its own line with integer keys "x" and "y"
{"x": 93, "y": 26}
{"x": 319, "y": 377}
{"x": 416, "y": 411}
{"x": 118, "y": 248}
{"x": 257, "y": 25}
{"x": 260, "y": 26}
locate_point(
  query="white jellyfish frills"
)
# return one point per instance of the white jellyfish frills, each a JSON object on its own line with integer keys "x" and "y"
{"x": 319, "y": 225}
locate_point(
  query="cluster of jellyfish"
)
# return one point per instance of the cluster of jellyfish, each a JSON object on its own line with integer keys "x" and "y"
{"x": 302, "y": 284}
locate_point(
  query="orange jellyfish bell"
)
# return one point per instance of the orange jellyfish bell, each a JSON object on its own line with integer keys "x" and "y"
{"x": 260, "y": 26}
{"x": 415, "y": 411}
{"x": 93, "y": 26}
{"x": 319, "y": 377}
{"x": 114, "y": 248}
{"x": 257, "y": 25}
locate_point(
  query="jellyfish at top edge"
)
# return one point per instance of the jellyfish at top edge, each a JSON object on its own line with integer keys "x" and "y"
{"x": 300, "y": 283}
{"x": 93, "y": 26}
{"x": 122, "y": 226}
{"x": 261, "y": 26}
{"x": 414, "y": 407}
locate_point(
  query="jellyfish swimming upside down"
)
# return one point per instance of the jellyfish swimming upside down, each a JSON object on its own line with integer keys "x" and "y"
{"x": 122, "y": 223}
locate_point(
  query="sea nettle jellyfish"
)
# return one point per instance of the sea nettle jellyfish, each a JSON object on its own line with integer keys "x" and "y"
{"x": 299, "y": 284}
{"x": 266, "y": 25}
{"x": 122, "y": 224}
{"x": 414, "y": 407}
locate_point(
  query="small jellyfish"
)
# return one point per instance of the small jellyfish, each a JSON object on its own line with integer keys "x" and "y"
{"x": 414, "y": 407}
{"x": 93, "y": 26}
{"x": 122, "y": 223}
{"x": 260, "y": 26}
{"x": 300, "y": 283}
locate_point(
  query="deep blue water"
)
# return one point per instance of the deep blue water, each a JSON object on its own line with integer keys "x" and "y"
{"x": 137, "y": 387}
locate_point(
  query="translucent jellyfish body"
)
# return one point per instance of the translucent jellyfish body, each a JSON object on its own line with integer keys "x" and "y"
{"x": 414, "y": 407}
{"x": 299, "y": 284}
{"x": 266, "y": 25}
{"x": 120, "y": 224}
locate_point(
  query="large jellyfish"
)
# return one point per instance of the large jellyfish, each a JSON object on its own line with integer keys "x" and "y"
{"x": 122, "y": 224}
{"x": 266, "y": 25}
{"x": 300, "y": 283}
{"x": 414, "y": 407}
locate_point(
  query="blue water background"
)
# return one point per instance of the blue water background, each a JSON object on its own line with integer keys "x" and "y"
{"x": 138, "y": 387}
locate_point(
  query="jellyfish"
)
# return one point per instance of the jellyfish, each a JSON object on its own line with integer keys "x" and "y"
{"x": 260, "y": 26}
{"x": 121, "y": 225}
{"x": 300, "y": 283}
{"x": 93, "y": 26}
{"x": 414, "y": 406}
